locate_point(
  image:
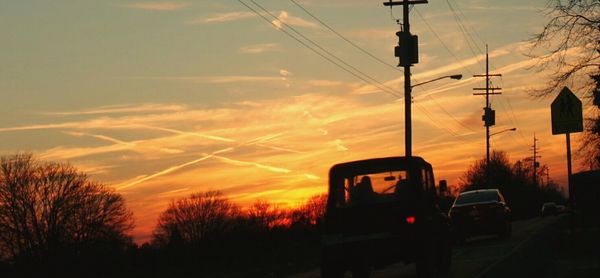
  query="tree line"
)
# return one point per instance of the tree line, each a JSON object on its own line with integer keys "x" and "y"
{"x": 524, "y": 193}
{"x": 56, "y": 222}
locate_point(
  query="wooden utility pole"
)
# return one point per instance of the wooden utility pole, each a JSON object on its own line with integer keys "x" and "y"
{"x": 489, "y": 116}
{"x": 407, "y": 51}
{"x": 536, "y": 164}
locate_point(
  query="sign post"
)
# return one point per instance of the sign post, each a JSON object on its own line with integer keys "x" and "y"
{"x": 567, "y": 117}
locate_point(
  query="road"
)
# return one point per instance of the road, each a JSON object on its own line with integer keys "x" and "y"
{"x": 539, "y": 247}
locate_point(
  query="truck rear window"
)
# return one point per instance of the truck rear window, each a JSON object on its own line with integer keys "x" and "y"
{"x": 372, "y": 188}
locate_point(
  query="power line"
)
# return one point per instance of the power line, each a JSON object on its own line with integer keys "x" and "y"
{"x": 474, "y": 30}
{"x": 375, "y": 83}
{"x": 460, "y": 22}
{"x": 344, "y": 38}
{"x": 442, "y": 42}
{"x": 468, "y": 38}
{"x": 448, "y": 113}
{"x": 434, "y": 122}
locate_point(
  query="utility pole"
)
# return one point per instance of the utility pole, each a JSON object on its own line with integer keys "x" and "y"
{"x": 489, "y": 116}
{"x": 536, "y": 164}
{"x": 407, "y": 51}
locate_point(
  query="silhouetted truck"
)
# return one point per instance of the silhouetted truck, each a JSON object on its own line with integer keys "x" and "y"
{"x": 382, "y": 211}
{"x": 585, "y": 195}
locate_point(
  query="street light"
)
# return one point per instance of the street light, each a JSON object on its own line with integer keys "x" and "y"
{"x": 487, "y": 153}
{"x": 454, "y": 76}
{"x": 508, "y": 129}
{"x": 407, "y": 108}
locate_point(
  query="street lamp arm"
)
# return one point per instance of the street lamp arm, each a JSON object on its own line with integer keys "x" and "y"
{"x": 454, "y": 76}
{"x": 509, "y": 129}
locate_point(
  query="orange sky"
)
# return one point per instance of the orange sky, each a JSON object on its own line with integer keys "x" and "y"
{"x": 163, "y": 99}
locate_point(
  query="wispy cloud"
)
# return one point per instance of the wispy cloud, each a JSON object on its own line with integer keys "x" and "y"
{"x": 259, "y": 48}
{"x": 157, "y": 6}
{"x": 222, "y": 17}
{"x": 254, "y": 164}
{"x": 169, "y": 170}
{"x": 325, "y": 83}
{"x": 224, "y": 79}
{"x": 122, "y": 109}
{"x": 285, "y": 18}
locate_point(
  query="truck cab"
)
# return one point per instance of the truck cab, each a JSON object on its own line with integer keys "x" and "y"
{"x": 381, "y": 211}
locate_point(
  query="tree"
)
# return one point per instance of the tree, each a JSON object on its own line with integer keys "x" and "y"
{"x": 48, "y": 207}
{"x": 195, "y": 219}
{"x": 264, "y": 215}
{"x": 499, "y": 173}
{"x": 571, "y": 48}
{"x": 311, "y": 212}
{"x": 515, "y": 182}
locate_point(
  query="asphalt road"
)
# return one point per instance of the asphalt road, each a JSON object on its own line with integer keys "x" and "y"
{"x": 539, "y": 247}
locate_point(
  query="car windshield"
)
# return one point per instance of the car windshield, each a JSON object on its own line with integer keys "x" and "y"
{"x": 477, "y": 197}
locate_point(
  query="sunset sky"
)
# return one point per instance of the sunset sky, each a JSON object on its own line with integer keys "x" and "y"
{"x": 163, "y": 99}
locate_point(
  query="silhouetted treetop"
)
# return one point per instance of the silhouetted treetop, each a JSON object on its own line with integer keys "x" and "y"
{"x": 194, "y": 219}
{"x": 46, "y": 206}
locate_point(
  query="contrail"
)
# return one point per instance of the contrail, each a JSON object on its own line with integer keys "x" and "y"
{"x": 255, "y": 164}
{"x": 169, "y": 170}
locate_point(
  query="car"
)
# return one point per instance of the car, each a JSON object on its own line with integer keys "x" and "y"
{"x": 549, "y": 208}
{"x": 561, "y": 209}
{"x": 382, "y": 211}
{"x": 480, "y": 212}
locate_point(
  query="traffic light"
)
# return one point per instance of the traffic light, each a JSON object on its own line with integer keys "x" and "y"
{"x": 489, "y": 116}
{"x": 407, "y": 49}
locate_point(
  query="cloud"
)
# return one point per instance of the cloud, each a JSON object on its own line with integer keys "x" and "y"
{"x": 325, "y": 83}
{"x": 157, "y": 6}
{"x": 254, "y": 164}
{"x": 222, "y": 79}
{"x": 285, "y": 73}
{"x": 223, "y": 17}
{"x": 285, "y": 18}
{"x": 125, "y": 109}
{"x": 169, "y": 170}
{"x": 259, "y": 48}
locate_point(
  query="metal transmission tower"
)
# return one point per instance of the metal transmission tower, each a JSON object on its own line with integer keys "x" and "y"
{"x": 408, "y": 53}
{"x": 489, "y": 115}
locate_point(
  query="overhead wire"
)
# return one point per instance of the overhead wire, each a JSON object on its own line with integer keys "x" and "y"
{"x": 357, "y": 74}
{"x": 344, "y": 38}
{"x": 442, "y": 42}
{"x": 468, "y": 38}
{"x": 364, "y": 78}
{"x": 459, "y": 16}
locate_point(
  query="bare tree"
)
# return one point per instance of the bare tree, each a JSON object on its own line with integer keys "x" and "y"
{"x": 570, "y": 48}
{"x": 194, "y": 219}
{"x": 499, "y": 172}
{"x": 265, "y": 215}
{"x": 569, "y": 42}
{"x": 311, "y": 211}
{"x": 45, "y": 206}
